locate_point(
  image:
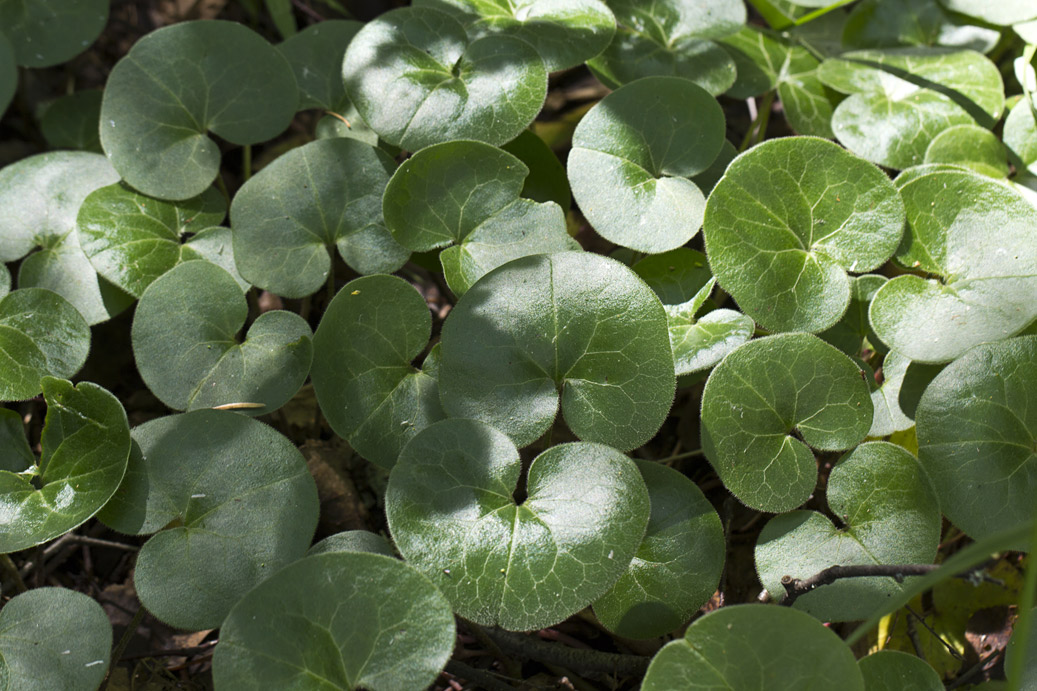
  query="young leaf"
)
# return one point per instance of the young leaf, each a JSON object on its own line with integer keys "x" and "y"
{"x": 417, "y": 79}
{"x": 974, "y": 237}
{"x": 353, "y": 541}
{"x": 767, "y": 403}
{"x": 185, "y": 344}
{"x": 235, "y": 499}
{"x": 367, "y": 388}
{"x": 337, "y": 621}
{"x": 970, "y": 146}
{"x": 177, "y": 84}
{"x": 632, "y": 156}
{"x": 677, "y": 566}
{"x": 895, "y": 23}
{"x": 572, "y": 325}
{"x": 44, "y": 33}
{"x": 891, "y": 670}
{"x": 787, "y": 222}
{"x": 520, "y": 566}
{"x": 322, "y": 195}
{"x": 85, "y": 442}
{"x": 53, "y": 638}
{"x": 755, "y": 647}
{"x": 976, "y": 424}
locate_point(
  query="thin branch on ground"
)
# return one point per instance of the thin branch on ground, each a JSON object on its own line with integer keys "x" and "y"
{"x": 795, "y": 587}
{"x": 582, "y": 661}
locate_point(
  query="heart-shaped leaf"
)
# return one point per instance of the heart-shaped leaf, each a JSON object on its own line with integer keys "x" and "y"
{"x": 132, "y": 239}
{"x": 315, "y": 197}
{"x": 768, "y": 403}
{"x": 337, "y": 621}
{"x": 572, "y": 325}
{"x": 976, "y": 424}
{"x": 755, "y": 647}
{"x": 185, "y": 344}
{"x": 565, "y": 33}
{"x": 353, "y": 541}
{"x": 49, "y": 32}
{"x": 902, "y": 97}
{"x": 970, "y": 146}
{"x": 893, "y": 23}
{"x": 849, "y": 333}
{"x": 85, "y": 442}
{"x": 974, "y": 237}
{"x": 417, "y": 80}
{"x": 888, "y": 513}
{"x": 671, "y": 38}
{"x": 676, "y": 568}
{"x": 889, "y": 417}
{"x": 53, "y": 638}
{"x": 367, "y": 388}
{"x": 632, "y": 156}
{"x": 177, "y": 84}
{"x": 235, "y": 499}
{"x": 892, "y": 670}
{"x": 1001, "y": 13}
{"x": 8, "y": 73}
{"x": 73, "y": 121}
{"x": 787, "y": 222}
{"x": 521, "y": 566}
{"x": 41, "y": 333}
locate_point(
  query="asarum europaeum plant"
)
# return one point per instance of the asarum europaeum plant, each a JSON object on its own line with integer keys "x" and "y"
{"x": 851, "y": 336}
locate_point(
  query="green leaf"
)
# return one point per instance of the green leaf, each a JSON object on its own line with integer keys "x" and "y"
{"x": 181, "y": 82}
{"x": 849, "y": 333}
{"x": 73, "y": 121}
{"x": 1002, "y": 13}
{"x": 891, "y": 670}
{"x": 337, "y": 621}
{"x": 970, "y": 146}
{"x": 45, "y": 33}
{"x": 237, "y": 504}
{"x": 787, "y": 222}
{"x": 676, "y": 276}
{"x": 572, "y": 325}
{"x": 520, "y": 566}
{"x": 671, "y": 38}
{"x": 288, "y": 216}
{"x": 888, "y": 513}
{"x": 85, "y": 442}
{"x": 889, "y": 417}
{"x": 976, "y": 424}
{"x": 901, "y": 98}
{"x": 564, "y": 33}
{"x": 215, "y": 245}
{"x": 974, "y": 237}
{"x": 677, "y": 566}
{"x": 41, "y": 334}
{"x": 699, "y": 344}
{"x": 894, "y": 23}
{"x": 132, "y": 239}
{"x": 632, "y": 156}
{"x": 8, "y": 73}
{"x": 1020, "y": 136}
{"x": 768, "y": 403}
{"x": 281, "y": 14}
{"x": 5, "y": 281}
{"x": 15, "y": 454}
{"x": 546, "y": 181}
{"x": 755, "y": 648}
{"x": 367, "y": 388}
{"x": 417, "y": 80}
{"x": 186, "y": 347}
{"x": 1028, "y": 680}
{"x": 353, "y": 541}
{"x": 53, "y": 638}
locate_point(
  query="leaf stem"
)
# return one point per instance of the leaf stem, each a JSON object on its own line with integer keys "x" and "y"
{"x": 9, "y": 573}
{"x": 246, "y": 162}
{"x": 820, "y": 12}
{"x": 680, "y": 456}
{"x": 1023, "y": 628}
{"x": 759, "y": 125}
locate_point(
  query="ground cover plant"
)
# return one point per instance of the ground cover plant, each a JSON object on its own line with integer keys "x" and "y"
{"x": 492, "y": 344}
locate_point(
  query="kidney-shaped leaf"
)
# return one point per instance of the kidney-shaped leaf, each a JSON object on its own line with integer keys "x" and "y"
{"x": 177, "y": 84}
{"x": 185, "y": 344}
{"x": 235, "y": 499}
{"x": 337, "y": 621}
{"x": 417, "y": 80}
{"x": 977, "y": 422}
{"x": 521, "y": 566}
{"x": 367, "y": 387}
{"x": 767, "y": 403}
{"x": 574, "y": 324}
{"x": 49, "y": 32}
{"x": 892, "y": 670}
{"x": 755, "y": 648}
{"x": 970, "y": 146}
{"x": 53, "y": 638}
{"x": 85, "y": 442}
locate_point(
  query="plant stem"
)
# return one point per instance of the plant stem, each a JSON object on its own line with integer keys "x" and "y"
{"x": 679, "y": 456}
{"x": 795, "y": 587}
{"x": 9, "y": 573}
{"x": 760, "y": 123}
{"x": 570, "y": 658}
{"x": 246, "y": 162}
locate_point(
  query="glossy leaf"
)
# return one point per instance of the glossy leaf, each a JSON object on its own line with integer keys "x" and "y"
{"x": 53, "y": 638}
{"x": 179, "y": 83}
{"x": 44, "y": 33}
{"x": 417, "y": 79}
{"x": 353, "y": 541}
{"x": 700, "y": 343}
{"x": 787, "y": 222}
{"x": 326, "y": 194}
{"x": 233, "y": 502}
{"x": 85, "y": 442}
{"x": 889, "y": 417}
{"x": 521, "y": 567}
{"x": 970, "y": 146}
{"x": 677, "y": 566}
{"x": 73, "y": 121}
{"x": 368, "y": 390}
{"x": 850, "y": 332}
{"x": 974, "y": 237}
{"x": 891, "y": 670}
{"x": 8, "y": 72}
{"x": 632, "y": 156}
{"x": 893, "y": 23}
{"x": 1002, "y": 13}
{"x": 337, "y": 621}
{"x": 755, "y": 648}
{"x": 768, "y": 403}
{"x": 186, "y": 348}
{"x": 571, "y": 325}
{"x": 976, "y": 424}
